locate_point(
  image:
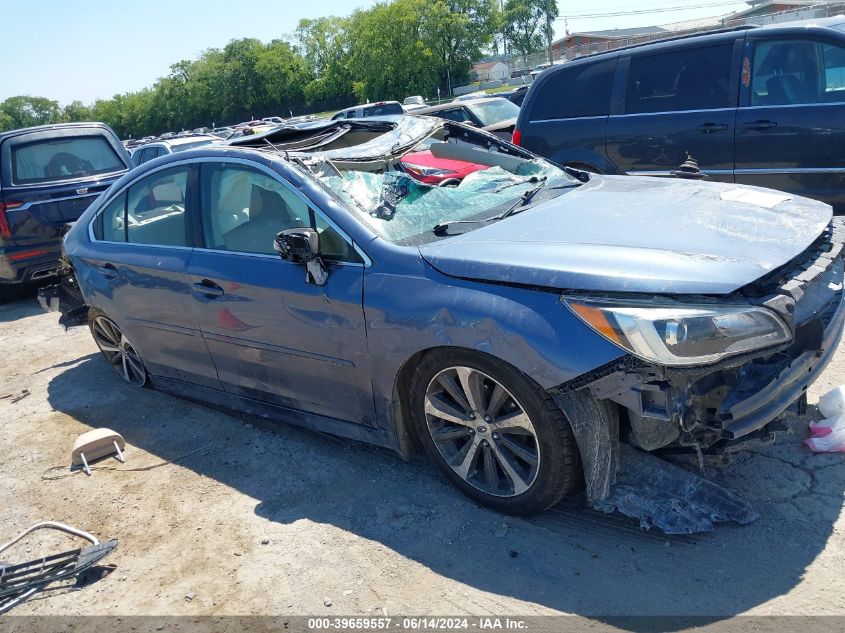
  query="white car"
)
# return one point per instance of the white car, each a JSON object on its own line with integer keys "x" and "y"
{"x": 379, "y": 108}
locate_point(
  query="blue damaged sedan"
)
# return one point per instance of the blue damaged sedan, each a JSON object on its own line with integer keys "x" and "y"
{"x": 536, "y": 331}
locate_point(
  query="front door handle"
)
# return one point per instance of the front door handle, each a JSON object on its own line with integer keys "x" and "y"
{"x": 759, "y": 125}
{"x": 109, "y": 271}
{"x": 708, "y": 128}
{"x": 208, "y": 288}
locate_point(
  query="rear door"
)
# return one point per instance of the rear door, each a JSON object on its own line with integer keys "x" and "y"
{"x": 677, "y": 102}
{"x": 791, "y": 123}
{"x": 138, "y": 275}
{"x": 50, "y": 177}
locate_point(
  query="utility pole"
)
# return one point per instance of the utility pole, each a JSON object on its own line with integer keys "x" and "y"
{"x": 549, "y": 32}
{"x": 504, "y": 29}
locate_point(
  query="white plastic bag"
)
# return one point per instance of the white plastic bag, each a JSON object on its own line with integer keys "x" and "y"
{"x": 830, "y": 439}
{"x": 832, "y": 404}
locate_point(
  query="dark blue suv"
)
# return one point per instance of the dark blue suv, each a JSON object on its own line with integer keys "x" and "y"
{"x": 759, "y": 106}
{"x": 48, "y": 177}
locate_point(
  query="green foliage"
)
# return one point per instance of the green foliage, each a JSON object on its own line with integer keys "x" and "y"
{"x": 529, "y": 24}
{"x": 394, "y": 49}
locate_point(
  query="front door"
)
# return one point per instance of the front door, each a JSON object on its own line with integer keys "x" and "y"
{"x": 274, "y": 337}
{"x": 791, "y": 127}
{"x": 678, "y": 103}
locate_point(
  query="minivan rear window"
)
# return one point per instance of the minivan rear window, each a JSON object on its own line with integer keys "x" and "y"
{"x": 66, "y": 158}
{"x": 686, "y": 79}
{"x": 580, "y": 91}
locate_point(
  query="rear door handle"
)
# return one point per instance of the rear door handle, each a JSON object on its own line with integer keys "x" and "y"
{"x": 208, "y": 288}
{"x": 708, "y": 128}
{"x": 109, "y": 271}
{"x": 759, "y": 125}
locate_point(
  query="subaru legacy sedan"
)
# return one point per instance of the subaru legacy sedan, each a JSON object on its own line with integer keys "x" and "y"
{"x": 529, "y": 328}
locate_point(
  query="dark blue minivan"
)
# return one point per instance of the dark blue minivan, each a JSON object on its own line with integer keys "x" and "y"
{"x": 759, "y": 106}
{"x": 48, "y": 177}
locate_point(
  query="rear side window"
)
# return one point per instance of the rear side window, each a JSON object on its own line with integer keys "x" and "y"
{"x": 155, "y": 209}
{"x": 66, "y": 158}
{"x": 686, "y": 79}
{"x": 580, "y": 91}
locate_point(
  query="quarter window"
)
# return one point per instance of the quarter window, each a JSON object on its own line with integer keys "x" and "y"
{"x": 797, "y": 72}
{"x": 580, "y": 91}
{"x": 687, "y": 79}
{"x": 155, "y": 209}
{"x": 110, "y": 224}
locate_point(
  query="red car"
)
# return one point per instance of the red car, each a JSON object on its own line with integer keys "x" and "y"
{"x": 427, "y": 168}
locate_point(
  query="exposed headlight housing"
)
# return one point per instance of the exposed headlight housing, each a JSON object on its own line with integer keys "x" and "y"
{"x": 680, "y": 335}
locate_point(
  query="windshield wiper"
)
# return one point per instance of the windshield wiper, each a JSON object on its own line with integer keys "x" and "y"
{"x": 516, "y": 207}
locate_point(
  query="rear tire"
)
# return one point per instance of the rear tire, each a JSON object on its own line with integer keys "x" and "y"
{"x": 493, "y": 432}
{"x": 116, "y": 348}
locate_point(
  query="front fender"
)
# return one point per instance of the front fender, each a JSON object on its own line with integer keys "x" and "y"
{"x": 408, "y": 314}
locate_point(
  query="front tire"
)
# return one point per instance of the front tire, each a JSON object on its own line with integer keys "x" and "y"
{"x": 494, "y": 433}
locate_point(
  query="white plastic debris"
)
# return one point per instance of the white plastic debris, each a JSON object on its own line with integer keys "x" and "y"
{"x": 832, "y": 404}
{"x": 828, "y": 435}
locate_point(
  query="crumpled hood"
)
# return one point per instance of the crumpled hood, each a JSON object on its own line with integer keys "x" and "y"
{"x": 636, "y": 234}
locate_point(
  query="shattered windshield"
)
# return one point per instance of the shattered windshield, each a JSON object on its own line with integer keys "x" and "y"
{"x": 406, "y": 211}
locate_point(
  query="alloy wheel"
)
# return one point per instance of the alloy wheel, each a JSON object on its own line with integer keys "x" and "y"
{"x": 119, "y": 351}
{"x": 482, "y": 431}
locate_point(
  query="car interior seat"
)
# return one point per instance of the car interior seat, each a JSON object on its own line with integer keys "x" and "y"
{"x": 268, "y": 214}
{"x": 786, "y": 90}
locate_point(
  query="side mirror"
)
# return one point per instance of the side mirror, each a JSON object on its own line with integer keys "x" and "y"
{"x": 302, "y": 246}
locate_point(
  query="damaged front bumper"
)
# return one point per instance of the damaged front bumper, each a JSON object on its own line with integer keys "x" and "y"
{"x": 707, "y": 409}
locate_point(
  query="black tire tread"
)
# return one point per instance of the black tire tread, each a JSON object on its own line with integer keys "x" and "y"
{"x": 560, "y": 471}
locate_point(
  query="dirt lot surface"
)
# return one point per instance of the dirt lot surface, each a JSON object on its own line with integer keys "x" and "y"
{"x": 294, "y": 522}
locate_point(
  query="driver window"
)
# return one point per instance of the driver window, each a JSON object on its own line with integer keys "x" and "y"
{"x": 244, "y": 209}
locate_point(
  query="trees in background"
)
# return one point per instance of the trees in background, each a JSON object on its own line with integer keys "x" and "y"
{"x": 529, "y": 24}
{"x": 393, "y": 49}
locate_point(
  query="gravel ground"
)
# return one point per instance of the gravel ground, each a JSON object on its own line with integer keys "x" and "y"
{"x": 292, "y": 522}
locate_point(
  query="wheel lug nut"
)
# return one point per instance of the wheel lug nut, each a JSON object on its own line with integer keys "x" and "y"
{"x": 484, "y": 443}
{"x": 472, "y": 415}
{"x": 487, "y": 418}
{"x": 495, "y": 436}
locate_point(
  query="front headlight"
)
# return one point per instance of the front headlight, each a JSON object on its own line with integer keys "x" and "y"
{"x": 681, "y": 335}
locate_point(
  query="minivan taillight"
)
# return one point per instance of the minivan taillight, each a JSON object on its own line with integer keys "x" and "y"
{"x": 517, "y": 137}
{"x": 5, "y": 229}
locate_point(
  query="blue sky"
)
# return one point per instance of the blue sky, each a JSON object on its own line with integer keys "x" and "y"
{"x": 89, "y": 49}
